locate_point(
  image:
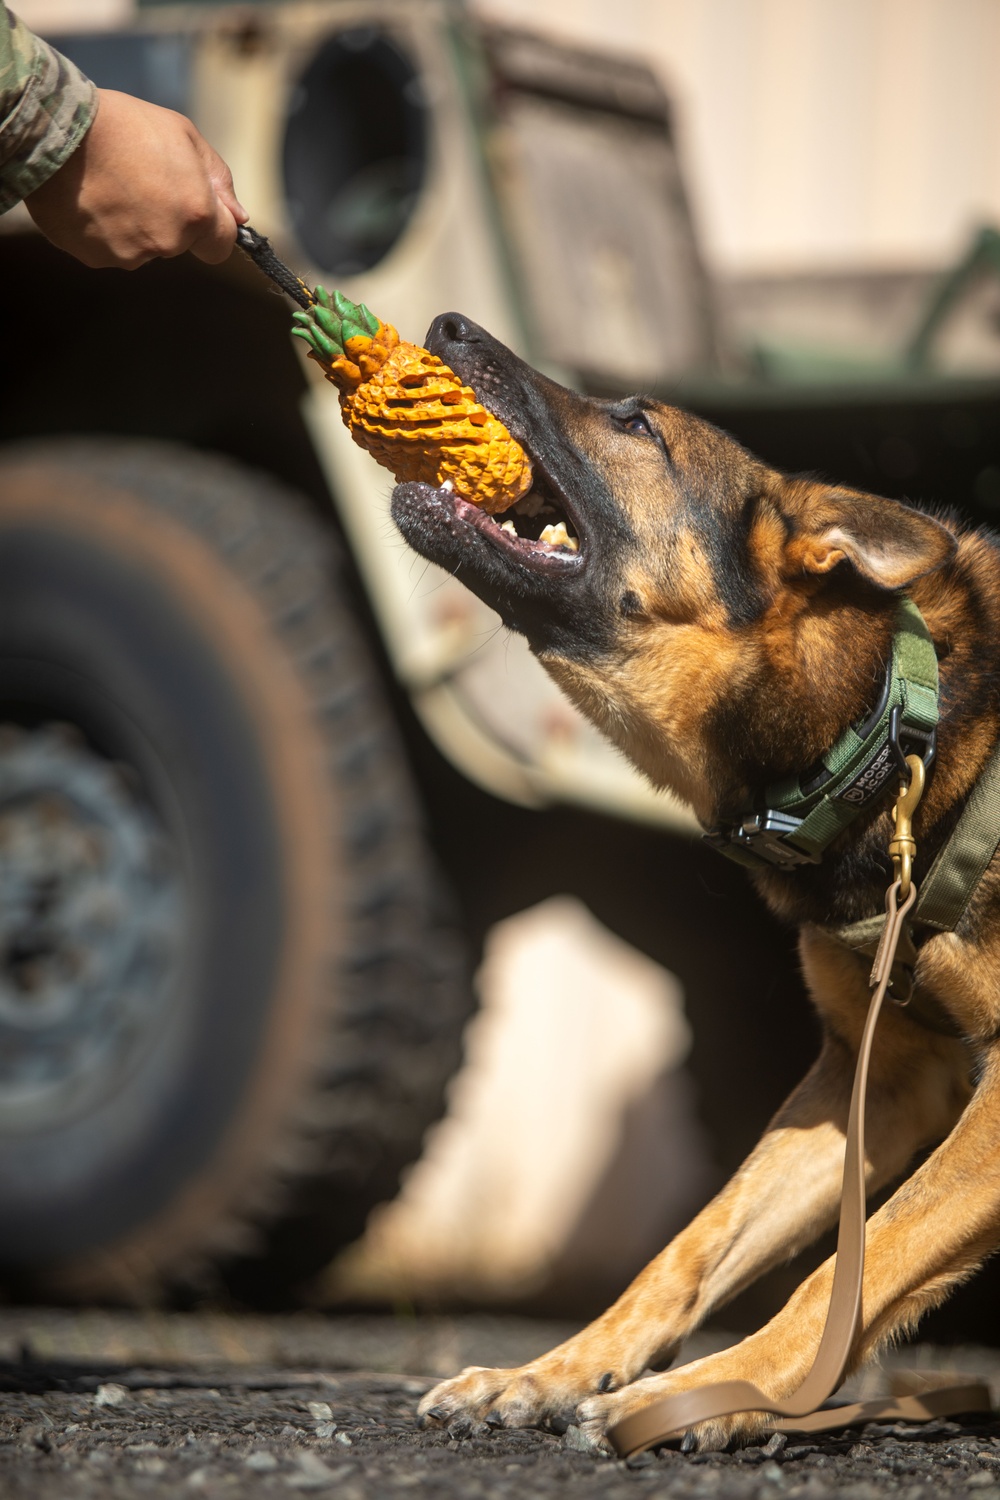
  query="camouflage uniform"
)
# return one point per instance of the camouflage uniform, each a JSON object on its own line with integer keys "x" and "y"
{"x": 46, "y": 108}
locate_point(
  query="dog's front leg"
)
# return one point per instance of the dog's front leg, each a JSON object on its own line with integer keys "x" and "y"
{"x": 933, "y": 1233}
{"x": 783, "y": 1196}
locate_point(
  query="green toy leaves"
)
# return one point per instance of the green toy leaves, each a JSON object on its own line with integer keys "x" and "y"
{"x": 331, "y": 321}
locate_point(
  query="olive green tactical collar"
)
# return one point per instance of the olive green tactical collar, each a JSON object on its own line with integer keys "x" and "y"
{"x": 792, "y": 822}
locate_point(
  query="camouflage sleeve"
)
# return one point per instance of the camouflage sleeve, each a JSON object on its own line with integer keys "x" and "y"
{"x": 46, "y": 108}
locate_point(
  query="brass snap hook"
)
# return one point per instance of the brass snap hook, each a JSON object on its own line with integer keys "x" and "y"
{"x": 903, "y": 846}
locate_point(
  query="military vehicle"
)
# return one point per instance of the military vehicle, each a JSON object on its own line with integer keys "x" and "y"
{"x": 265, "y": 778}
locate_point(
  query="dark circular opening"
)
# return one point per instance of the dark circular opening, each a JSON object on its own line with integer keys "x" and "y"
{"x": 355, "y": 150}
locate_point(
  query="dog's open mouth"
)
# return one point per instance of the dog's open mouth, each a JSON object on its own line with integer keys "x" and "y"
{"x": 539, "y": 529}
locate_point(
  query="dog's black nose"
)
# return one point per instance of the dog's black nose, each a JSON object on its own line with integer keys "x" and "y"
{"x": 450, "y": 329}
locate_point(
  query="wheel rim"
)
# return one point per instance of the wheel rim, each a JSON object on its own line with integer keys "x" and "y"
{"x": 92, "y": 928}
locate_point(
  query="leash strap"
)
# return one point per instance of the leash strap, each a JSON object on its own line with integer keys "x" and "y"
{"x": 673, "y": 1415}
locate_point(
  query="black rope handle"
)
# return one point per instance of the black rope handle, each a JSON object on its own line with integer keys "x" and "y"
{"x": 258, "y": 248}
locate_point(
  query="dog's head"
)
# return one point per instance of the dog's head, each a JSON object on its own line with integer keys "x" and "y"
{"x": 717, "y": 619}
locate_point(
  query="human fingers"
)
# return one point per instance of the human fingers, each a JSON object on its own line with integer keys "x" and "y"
{"x": 221, "y": 179}
{"x": 215, "y": 245}
{"x": 214, "y": 242}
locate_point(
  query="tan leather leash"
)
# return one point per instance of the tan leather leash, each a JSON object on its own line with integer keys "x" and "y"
{"x": 801, "y": 1412}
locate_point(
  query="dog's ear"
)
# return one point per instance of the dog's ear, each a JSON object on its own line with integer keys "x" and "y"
{"x": 887, "y": 542}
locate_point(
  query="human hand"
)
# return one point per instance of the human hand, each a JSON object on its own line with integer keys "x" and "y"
{"x": 142, "y": 183}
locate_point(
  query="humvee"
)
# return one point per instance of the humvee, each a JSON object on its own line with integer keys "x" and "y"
{"x": 265, "y": 778}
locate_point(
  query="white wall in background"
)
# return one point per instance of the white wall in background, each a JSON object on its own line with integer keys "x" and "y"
{"x": 817, "y": 133}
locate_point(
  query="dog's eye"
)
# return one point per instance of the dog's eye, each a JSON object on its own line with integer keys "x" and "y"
{"x": 638, "y": 425}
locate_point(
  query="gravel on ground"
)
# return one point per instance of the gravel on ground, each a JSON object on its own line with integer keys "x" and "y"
{"x": 80, "y": 1418}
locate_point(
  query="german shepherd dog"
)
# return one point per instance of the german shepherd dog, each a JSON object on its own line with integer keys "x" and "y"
{"x": 723, "y": 624}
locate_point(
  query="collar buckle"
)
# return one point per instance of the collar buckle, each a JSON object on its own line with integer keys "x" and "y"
{"x": 764, "y": 836}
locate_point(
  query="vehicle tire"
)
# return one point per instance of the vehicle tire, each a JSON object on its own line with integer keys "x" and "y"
{"x": 229, "y": 1000}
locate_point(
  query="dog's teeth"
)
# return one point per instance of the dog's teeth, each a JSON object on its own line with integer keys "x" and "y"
{"x": 447, "y": 485}
{"x": 558, "y": 536}
{"x": 509, "y": 527}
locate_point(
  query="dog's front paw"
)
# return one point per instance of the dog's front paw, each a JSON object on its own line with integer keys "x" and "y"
{"x": 501, "y": 1398}
{"x": 598, "y": 1414}
{"x": 523, "y": 1397}
{"x": 469, "y": 1394}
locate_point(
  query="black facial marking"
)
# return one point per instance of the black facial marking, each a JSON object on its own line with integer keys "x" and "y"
{"x": 630, "y": 603}
{"x": 725, "y": 536}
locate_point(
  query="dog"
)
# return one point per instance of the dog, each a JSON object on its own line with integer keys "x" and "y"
{"x": 723, "y": 624}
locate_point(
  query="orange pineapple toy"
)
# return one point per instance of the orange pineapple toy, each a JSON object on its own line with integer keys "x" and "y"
{"x": 403, "y": 404}
{"x": 410, "y": 411}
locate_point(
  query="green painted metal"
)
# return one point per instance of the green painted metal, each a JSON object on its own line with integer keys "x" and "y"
{"x": 809, "y": 375}
{"x": 981, "y": 258}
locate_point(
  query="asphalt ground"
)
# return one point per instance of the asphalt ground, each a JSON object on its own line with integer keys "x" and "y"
{"x": 108, "y": 1405}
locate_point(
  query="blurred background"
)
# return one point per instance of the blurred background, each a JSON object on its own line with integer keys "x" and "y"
{"x": 341, "y": 963}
